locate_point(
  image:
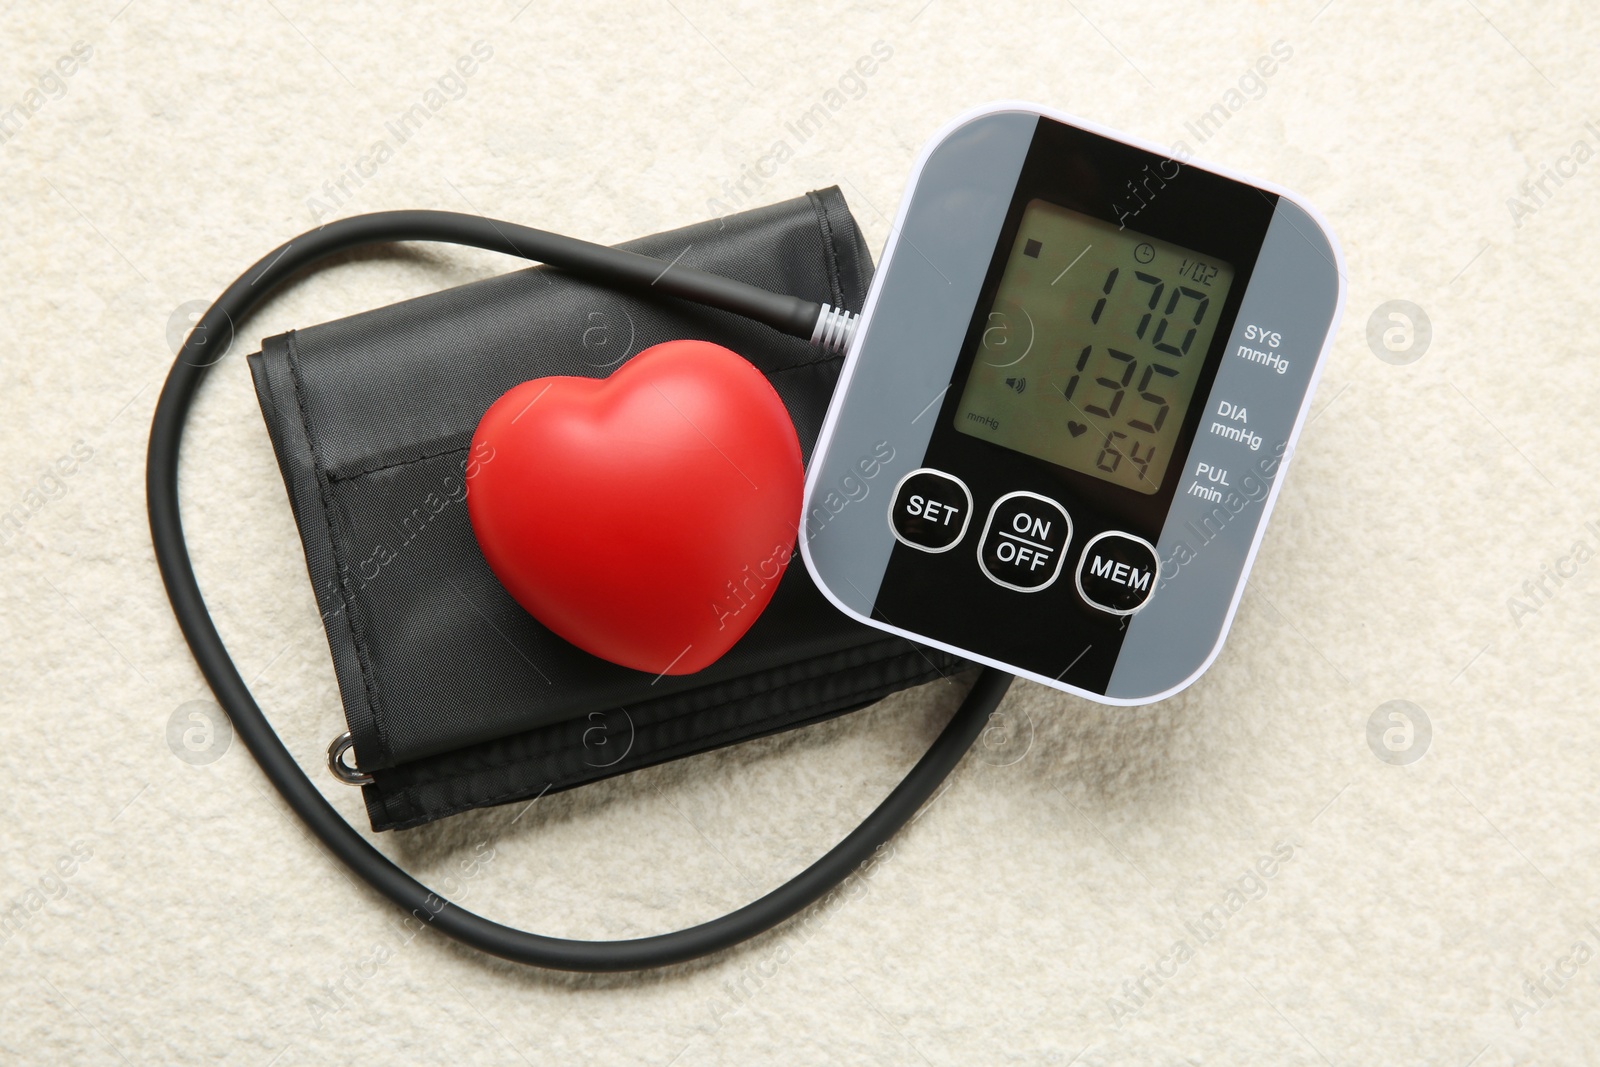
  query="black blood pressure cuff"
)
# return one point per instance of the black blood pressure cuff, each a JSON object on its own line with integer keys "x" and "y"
{"x": 455, "y": 697}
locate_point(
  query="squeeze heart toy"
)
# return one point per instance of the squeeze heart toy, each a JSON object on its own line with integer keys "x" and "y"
{"x": 646, "y": 517}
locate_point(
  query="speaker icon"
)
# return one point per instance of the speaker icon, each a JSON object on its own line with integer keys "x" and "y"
{"x": 1017, "y": 384}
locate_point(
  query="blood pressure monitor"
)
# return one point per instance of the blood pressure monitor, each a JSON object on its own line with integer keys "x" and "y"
{"x": 1066, "y": 410}
{"x": 1062, "y": 419}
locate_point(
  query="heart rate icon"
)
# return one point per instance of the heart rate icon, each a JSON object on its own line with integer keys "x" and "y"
{"x": 1076, "y": 428}
{"x": 646, "y": 517}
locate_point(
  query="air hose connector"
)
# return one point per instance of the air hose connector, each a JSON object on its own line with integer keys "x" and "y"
{"x": 835, "y": 328}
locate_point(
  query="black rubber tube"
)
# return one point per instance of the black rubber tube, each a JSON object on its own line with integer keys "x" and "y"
{"x": 177, "y": 572}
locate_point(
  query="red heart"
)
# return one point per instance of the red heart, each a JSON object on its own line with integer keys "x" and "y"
{"x": 645, "y": 517}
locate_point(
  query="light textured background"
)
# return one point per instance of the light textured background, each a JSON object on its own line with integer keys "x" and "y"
{"x": 1014, "y": 919}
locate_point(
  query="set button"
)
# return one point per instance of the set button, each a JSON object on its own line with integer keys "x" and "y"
{"x": 1118, "y": 572}
{"x": 1024, "y": 541}
{"x": 930, "y": 510}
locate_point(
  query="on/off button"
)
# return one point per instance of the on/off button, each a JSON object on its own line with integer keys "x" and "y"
{"x": 1024, "y": 541}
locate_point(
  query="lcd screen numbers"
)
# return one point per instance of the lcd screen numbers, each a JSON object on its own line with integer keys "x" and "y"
{"x": 1090, "y": 354}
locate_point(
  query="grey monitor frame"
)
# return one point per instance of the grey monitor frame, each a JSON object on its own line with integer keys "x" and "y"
{"x": 901, "y": 360}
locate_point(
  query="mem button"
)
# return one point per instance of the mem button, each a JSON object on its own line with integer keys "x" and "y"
{"x": 1118, "y": 572}
{"x": 1024, "y": 541}
{"x": 930, "y": 510}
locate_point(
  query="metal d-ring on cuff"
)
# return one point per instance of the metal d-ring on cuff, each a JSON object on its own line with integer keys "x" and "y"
{"x": 342, "y": 770}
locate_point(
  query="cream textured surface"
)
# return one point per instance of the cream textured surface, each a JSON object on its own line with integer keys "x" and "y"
{"x": 1083, "y": 892}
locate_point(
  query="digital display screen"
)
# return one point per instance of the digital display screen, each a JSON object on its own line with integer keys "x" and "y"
{"x": 1091, "y": 351}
